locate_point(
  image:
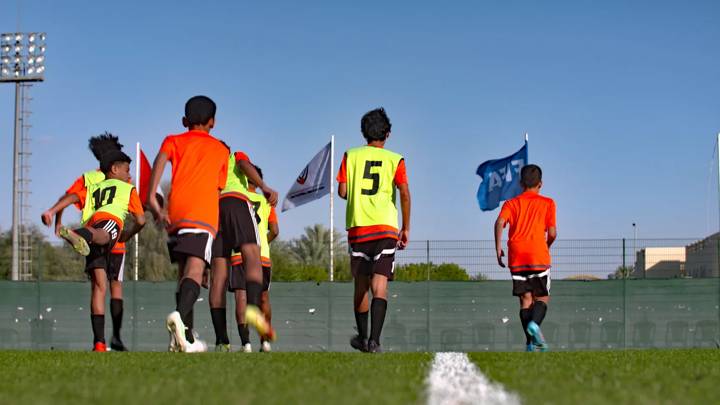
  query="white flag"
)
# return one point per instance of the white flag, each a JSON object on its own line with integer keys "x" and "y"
{"x": 312, "y": 183}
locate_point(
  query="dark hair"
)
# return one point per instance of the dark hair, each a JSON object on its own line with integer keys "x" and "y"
{"x": 375, "y": 125}
{"x": 111, "y": 158}
{"x": 199, "y": 110}
{"x": 103, "y": 143}
{"x": 530, "y": 176}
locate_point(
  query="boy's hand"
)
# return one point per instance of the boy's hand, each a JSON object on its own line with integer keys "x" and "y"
{"x": 46, "y": 218}
{"x": 403, "y": 239}
{"x": 271, "y": 195}
{"x": 500, "y": 255}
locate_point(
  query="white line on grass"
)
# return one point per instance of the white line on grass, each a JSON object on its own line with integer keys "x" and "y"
{"x": 454, "y": 379}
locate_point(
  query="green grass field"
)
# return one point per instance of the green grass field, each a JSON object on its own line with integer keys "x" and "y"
{"x": 650, "y": 377}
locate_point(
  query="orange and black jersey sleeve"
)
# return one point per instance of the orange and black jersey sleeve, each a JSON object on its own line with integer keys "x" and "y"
{"x": 135, "y": 207}
{"x": 272, "y": 218}
{"x": 76, "y": 188}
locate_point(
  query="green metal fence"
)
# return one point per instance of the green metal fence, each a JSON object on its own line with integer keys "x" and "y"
{"x": 422, "y": 316}
{"x": 667, "y": 295}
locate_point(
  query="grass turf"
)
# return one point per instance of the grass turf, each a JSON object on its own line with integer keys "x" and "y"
{"x": 608, "y": 377}
{"x": 234, "y": 378}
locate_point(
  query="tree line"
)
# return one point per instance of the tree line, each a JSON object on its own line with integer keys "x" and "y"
{"x": 304, "y": 258}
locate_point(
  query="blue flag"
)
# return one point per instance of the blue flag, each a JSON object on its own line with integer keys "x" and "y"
{"x": 501, "y": 179}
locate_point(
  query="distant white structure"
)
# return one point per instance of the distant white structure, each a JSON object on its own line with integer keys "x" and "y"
{"x": 660, "y": 262}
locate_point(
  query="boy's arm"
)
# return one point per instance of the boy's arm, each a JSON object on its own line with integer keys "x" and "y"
{"x": 499, "y": 225}
{"x": 342, "y": 190}
{"x": 551, "y": 235}
{"x": 252, "y": 175}
{"x": 136, "y": 227}
{"x": 404, "y": 237}
{"x": 274, "y": 231}
{"x": 342, "y": 178}
{"x": 63, "y": 202}
{"x": 154, "y": 206}
{"x": 135, "y": 208}
{"x": 58, "y": 221}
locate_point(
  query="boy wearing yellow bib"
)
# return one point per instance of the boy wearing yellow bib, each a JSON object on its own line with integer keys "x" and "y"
{"x": 238, "y": 231}
{"x": 99, "y": 145}
{"x": 105, "y": 205}
{"x": 369, "y": 179}
{"x": 268, "y": 230}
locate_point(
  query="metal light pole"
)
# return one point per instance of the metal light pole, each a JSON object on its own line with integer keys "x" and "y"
{"x": 22, "y": 60}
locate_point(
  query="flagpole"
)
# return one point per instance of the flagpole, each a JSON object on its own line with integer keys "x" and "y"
{"x": 332, "y": 208}
{"x": 136, "y": 265}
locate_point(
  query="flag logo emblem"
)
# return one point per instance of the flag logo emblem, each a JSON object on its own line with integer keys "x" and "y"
{"x": 302, "y": 178}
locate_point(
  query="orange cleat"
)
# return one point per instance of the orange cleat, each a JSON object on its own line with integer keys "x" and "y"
{"x": 100, "y": 347}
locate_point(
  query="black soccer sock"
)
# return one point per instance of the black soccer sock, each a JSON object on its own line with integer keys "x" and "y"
{"x": 539, "y": 310}
{"x": 189, "y": 292}
{"x": 220, "y": 325}
{"x": 253, "y": 292}
{"x": 361, "y": 320}
{"x": 85, "y": 234}
{"x": 378, "y": 309}
{"x": 525, "y": 318}
{"x": 98, "y": 327}
{"x": 116, "y": 312}
{"x": 244, "y": 333}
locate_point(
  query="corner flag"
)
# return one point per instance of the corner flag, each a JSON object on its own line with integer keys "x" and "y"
{"x": 312, "y": 183}
{"x": 501, "y": 179}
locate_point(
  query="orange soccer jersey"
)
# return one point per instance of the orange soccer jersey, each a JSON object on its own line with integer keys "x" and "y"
{"x": 199, "y": 172}
{"x": 361, "y": 234}
{"x": 529, "y": 215}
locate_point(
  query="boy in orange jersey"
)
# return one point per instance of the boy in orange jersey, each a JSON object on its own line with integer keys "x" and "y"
{"x": 369, "y": 179}
{"x": 199, "y": 171}
{"x": 99, "y": 145}
{"x": 105, "y": 205}
{"x": 532, "y": 231}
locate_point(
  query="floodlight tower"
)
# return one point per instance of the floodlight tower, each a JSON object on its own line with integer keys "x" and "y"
{"x": 22, "y": 61}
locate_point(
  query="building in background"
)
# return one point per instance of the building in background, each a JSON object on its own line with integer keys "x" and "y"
{"x": 660, "y": 262}
{"x": 702, "y": 257}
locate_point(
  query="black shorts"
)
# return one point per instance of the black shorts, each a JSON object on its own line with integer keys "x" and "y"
{"x": 99, "y": 257}
{"x": 535, "y": 282}
{"x": 374, "y": 257}
{"x": 116, "y": 267}
{"x": 190, "y": 242}
{"x": 238, "y": 226}
{"x": 237, "y": 280}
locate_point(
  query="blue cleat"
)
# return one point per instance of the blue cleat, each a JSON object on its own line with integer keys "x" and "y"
{"x": 533, "y": 330}
{"x": 530, "y": 348}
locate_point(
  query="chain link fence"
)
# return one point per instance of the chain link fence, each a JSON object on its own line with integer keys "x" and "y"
{"x": 606, "y": 294}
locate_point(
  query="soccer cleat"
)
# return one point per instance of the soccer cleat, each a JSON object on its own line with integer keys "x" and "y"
{"x": 117, "y": 345}
{"x": 78, "y": 244}
{"x": 265, "y": 347}
{"x": 223, "y": 348}
{"x": 99, "y": 347}
{"x": 358, "y": 343}
{"x": 254, "y": 317}
{"x": 533, "y": 329}
{"x": 247, "y": 348}
{"x": 374, "y": 347}
{"x": 176, "y": 327}
{"x": 530, "y": 347}
{"x": 197, "y": 346}
{"x": 172, "y": 346}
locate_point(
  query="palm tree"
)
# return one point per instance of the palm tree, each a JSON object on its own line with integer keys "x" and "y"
{"x": 311, "y": 249}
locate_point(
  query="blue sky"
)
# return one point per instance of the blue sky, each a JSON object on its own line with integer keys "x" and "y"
{"x": 620, "y": 98}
